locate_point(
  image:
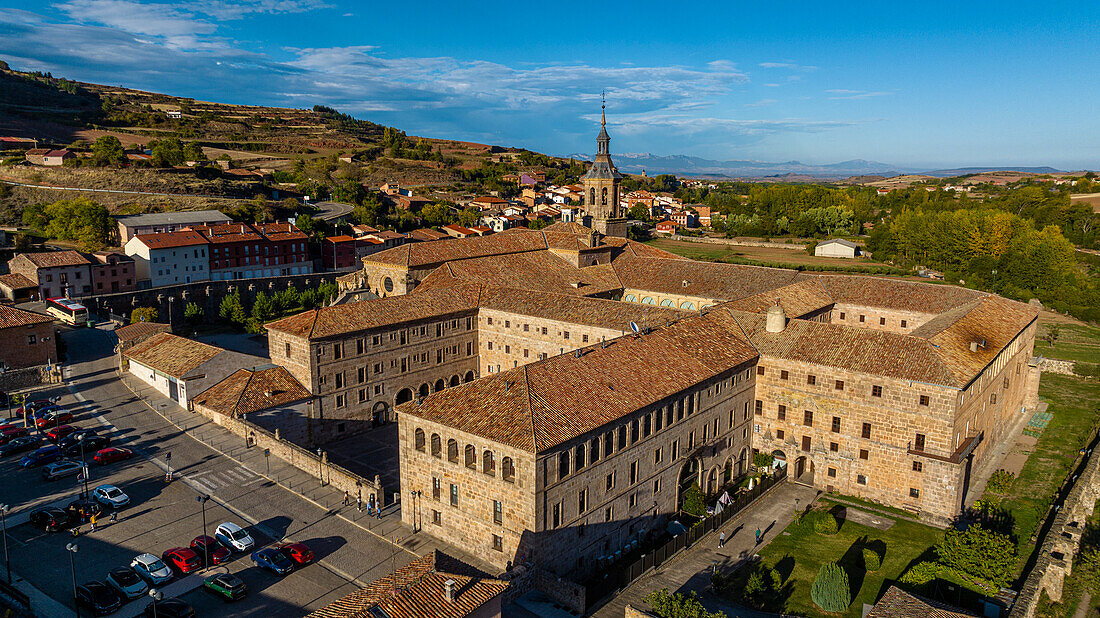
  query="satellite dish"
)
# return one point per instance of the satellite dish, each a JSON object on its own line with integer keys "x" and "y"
{"x": 634, "y": 327}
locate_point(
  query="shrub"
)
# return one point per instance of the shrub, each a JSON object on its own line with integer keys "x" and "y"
{"x": 678, "y": 605}
{"x": 144, "y": 314}
{"x": 1000, "y": 481}
{"x": 762, "y": 585}
{"x": 193, "y": 313}
{"x": 830, "y": 588}
{"x": 920, "y": 574}
{"x": 871, "y": 560}
{"x": 825, "y": 523}
{"x": 978, "y": 552}
{"x": 762, "y": 460}
{"x": 694, "y": 504}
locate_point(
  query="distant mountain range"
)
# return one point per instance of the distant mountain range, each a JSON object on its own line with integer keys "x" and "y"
{"x": 685, "y": 165}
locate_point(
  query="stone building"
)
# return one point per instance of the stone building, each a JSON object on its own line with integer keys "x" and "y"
{"x": 601, "y": 187}
{"x": 57, "y": 273}
{"x": 181, "y": 368}
{"x": 26, "y": 339}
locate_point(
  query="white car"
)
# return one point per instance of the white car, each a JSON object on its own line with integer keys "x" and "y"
{"x": 109, "y": 495}
{"x": 234, "y": 537}
{"x": 151, "y": 569}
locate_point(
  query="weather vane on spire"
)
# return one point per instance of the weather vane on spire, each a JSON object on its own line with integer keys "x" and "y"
{"x": 603, "y": 108}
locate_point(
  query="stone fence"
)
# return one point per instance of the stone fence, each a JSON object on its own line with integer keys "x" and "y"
{"x": 1051, "y": 365}
{"x": 736, "y": 242}
{"x": 305, "y": 460}
{"x": 1058, "y": 547}
{"x": 14, "y": 379}
{"x": 524, "y": 578}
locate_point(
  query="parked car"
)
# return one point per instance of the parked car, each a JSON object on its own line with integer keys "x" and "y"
{"x": 209, "y": 546}
{"x": 297, "y": 552}
{"x": 41, "y": 456}
{"x": 233, "y": 536}
{"x": 127, "y": 582}
{"x": 41, "y": 412}
{"x": 183, "y": 558}
{"x": 20, "y": 445}
{"x": 273, "y": 560}
{"x": 151, "y": 569}
{"x": 55, "y": 434}
{"x": 169, "y": 608}
{"x": 111, "y": 454}
{"x": 98, "y": 597}
{"x": 53, "y": 418}
{"x": 80, "y": 511}
{"x": 12, "y": 432}
{"x": 76, "y": 436}
{"x": 226, "y": 585}
{"x": 109, "y": 495}
{"x": 86, "y": 446}
{"x": 49, "y": 519}
{"x": 30, "y": 407}
{"x": 61, "y": 469}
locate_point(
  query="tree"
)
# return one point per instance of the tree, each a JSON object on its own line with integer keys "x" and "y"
{"x": 1053, "y": 330}
{"x": 436, "y": 214}
{"x": 166, "y": 152}
{"x": 232, "y": 310}
{"x": 980, "y": 553}
{"x": 80, "y": 220}
{"x": 144, "y": 314}
{"x": 694, "y": 504}
{"x": 468, "y": 217}
{"x": 639, "y": 212}
{"x": 678, "y": 605}
{"x": 264, "y": 308}
{"x": 193, "y": 152}
{"x": 193, "y": 313}
{"x": 830, "y": 589}
{"x": 871, "y": 560}
{"x": 107, "y": 150}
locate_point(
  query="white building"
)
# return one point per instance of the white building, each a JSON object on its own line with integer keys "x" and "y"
{"x": 837, "y": 247}
{"x": 181, "y": 368}
{"x": 168, "y": 259}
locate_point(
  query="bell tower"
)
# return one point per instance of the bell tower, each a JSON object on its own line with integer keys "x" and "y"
{"x": 601, "y": 186}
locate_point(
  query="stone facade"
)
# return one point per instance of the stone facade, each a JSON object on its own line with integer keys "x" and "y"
{"x": 28, "y": 346}
{"x": 877, "y": 318}
{"x": 509, "y": 340}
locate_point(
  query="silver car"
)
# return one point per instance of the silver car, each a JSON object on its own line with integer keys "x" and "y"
{"x": 127, "y": 583}
{"x": 59, "y": 469}
{"x": 151, "y": 569}
{"x": 109, "y": 495}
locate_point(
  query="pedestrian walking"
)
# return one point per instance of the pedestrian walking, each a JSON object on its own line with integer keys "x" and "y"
{"x": 93, "y": 522}
{"x": 359, "y": 503}
{"x": 347, "y": 498}
{"x": 758, "y": 536}
{"x": 721, "y": 539}
{"x": 378, "y": 510}
{"x": 114, "y": 517}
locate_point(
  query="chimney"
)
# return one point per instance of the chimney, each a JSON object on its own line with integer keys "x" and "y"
{"x": 449, "y": 590}
{"x": 776, "y": 319}
{"x": 973, "y": 346}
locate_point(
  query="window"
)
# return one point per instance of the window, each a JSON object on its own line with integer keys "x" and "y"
{"x": 657, "y": 456}
{"x": 452, "y": 450}
{"x": 341, "y": 401}
{"x": 832, "y": 473}
{"x": 836, "y": 424}
{"x": 508, "y": 470}
{"x": 578, "y": 459}
{"x": 993, "y": 398}
{"x": 675, "y": 449}
{"x": 470, "y": 456}
{"x": 866, "y": 430}
{"x": 633, "y": 500}
{"x": 498, "y": 512}
{"x": 782, "y": 413}
{"x": 633, "y": 472}
{"x": 862, "y": 480}
{"x": 863, "y": 454}
{"x": 811, "y": 379}
{"x": 582, "y": 501}
{"x": 454, "y": 494}
{"x": 914, "y": 492}
{"x": 904, "y": 324}
{"x": 1004, "y": 384}
{"x": 584, "y": 338}
{"x": 759, "y": 409}
{"x": 842, "y": 315}
{"x": 563, "y": 464}
{"x": 490, "y": 321}
{"x": 834, "y": 447}
{"x": 32, "y": 339}
{"x": 420, "y": 440}
{"x": 657, "y": 486}
{"x": 608, "y": 514}
{"x": 437, "y": 448}
{"x": 288, "y": 349}
{"x": 924, "y": 400}
{"x": 783, "y": 375}
{"x": 778, "y": 434}
{"x": 882, "y": 321}
{"x": 918, "y": 443}
{"x": 488, "y": 463}
{"x": 861, "y": 318}
{"x": 918, "y": 466}
{"x": 498, "y": 542}
{"x": 610, "y": 481}
{"x": 337, "y": 351}
{"x": 806, "y": 443}
{"x": 876, "y": 391}
{"x": 437, "y": 518}
{"x": 437, "y": 488}
{"x": 359, "y": 346}
{"x": 339, "y": 378}
{"x": 808, "y": 418}
{"x": 839, "y": 385}
{"x": 759, "y": 371}
{"x": 555, "y": 520}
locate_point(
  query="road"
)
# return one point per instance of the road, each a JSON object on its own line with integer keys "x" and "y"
{"x": 163, "y": 515}
{"x": 10, "y": 181}
{"x": 331, "y": 211}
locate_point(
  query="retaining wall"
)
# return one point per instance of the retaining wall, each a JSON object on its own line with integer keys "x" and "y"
{"x": 15, "y": 379}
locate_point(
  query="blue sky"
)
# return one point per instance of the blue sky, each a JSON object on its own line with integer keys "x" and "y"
{"x": 925, "y": 84}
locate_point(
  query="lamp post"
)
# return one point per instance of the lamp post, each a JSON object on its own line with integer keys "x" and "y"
{"x": 72, "y": 564}
{"x": 320, "y": 467}
{"x": 201, "y": 499}
{"x": 4, "y": 519}
{"x": 84, "y": 470}
{"x": 156, "y": 595}
{"x": 413, "y": 495}
{"x": 796, "y": 507}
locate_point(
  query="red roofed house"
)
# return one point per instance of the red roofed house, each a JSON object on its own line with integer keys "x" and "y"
{"x": 57, "y": 273}
{"x": 170, "y": 258}
{"x": 488, "y": 202}
{"x": 666, "y": 226}
{"x": 26, "y": 339}
{"x": 286, "y": 251}
{"x": 458, "y": 231}
{"x": 113, "y": 272}
{"x": 338, "y": 253}
{"x": 52, "y": 158}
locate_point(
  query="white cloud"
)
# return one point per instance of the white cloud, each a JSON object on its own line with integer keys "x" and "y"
{"x": 762, "y": 103}
{"x": 842, "y": 94}
{"x": 789, "y": 65}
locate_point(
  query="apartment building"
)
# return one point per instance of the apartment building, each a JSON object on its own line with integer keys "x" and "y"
{"x": 170, "y": 258}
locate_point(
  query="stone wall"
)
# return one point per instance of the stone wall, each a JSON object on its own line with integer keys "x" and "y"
{"x": 1057, "y": 549}
{"x": 1051, "y": 365}
{"x": 15, "y": 379}
{"x": 736, "y": 242}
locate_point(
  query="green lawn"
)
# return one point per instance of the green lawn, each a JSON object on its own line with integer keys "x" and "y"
{"x": 799, "y": 556}
{"x": 1076, "y": 342}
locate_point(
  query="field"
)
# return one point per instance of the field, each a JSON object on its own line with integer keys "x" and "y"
{"x": 767, "y": 255}
{"x": 1075, "y": 342}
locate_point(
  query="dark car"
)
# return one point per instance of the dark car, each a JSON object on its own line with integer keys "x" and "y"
{"x": 11, "y": 433}
{"x": 128, "y": 583}
{"x": 273, "y": 560}
{"x": 98, "y": 597}
{"x": 29, "y": 408}
{"x": 20, "y": 445}
{"x": 57, "y": 433}
{"x": 41, "y": 456}
{"x": 297, "y": 552}
{"x": 52, "y": 418}
{"x": 87, "y": 446}
{"x": 49, "y": 519}
{"x": 76, "y": 437}
{"x": 209, "y": 546}
{"x": 170, "y": 608}
{"x": 82, "y": 510}
{"x": 226, "y": 585}
{"x": 184, "y": 559}
{"x": 111, "y": 454}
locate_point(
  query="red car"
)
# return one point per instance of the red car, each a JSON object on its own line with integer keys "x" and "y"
{"x": 52, "y": 419}
{"x": 184, "y": 559}
{"x": 297, "y": 552}
{"x": 54, "y": 435}
{"x": 218, "y": 552}
{"x": 11, "y": 432}
{"x": 37, "y": 404}
{"x": 111, "y": 454}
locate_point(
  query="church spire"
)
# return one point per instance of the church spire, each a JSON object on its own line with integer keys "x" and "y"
{"x": 603, "y": 140}
{"x": 603, "y": 109}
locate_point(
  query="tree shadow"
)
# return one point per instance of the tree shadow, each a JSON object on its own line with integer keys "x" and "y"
{"x": 785, "y": 567}
{"x": 840, "y": 512}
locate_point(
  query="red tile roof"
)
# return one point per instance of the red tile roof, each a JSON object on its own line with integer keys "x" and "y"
{"x": 172, "y": 355}
{"x": 897, "y": 603}
{"x": 54, "y": 259}
{"x": 250, "y": 390}
{"x": 16, "y": 282}
{"x": 10, "y": 317}
{"x": 139, "y": 330}
{"x": 171, "y": 240}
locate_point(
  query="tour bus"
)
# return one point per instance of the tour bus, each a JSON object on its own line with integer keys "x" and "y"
{"x": 68, "y": 311}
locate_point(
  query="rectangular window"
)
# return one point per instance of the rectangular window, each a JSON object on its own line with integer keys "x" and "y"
{"x": 808, "y": 418}
{"x": 32, "y": 339}
{"x": 498, "y": 512}
{"x": 359, "y": 345}
{"x": 806, "y": 443}
{"x": 657, "y": 486}
{"x": 288, "y": 349}
{"x": 918, "y": 466}
{"x": 555, "y": 520}
{"x": 842, "y": 315}
{"x": 914, "y": 492}
{"x": 608, "y": 514}
{"x": 834, "y": 447}
{"x": 778, "y": 434}
{"x": 782, "y": 413}
{"x": 340, "y": 401}
{"x": 633, "y": 499}
{"x": 454, "y": 494}
{"x": 862, "y": 318}
{"x": 656, "y": 456}
{"x": 584, "y": 338}
{"x": 836, "y": 424}
{"x": 882, "y": 321}
{"x": 582, "y": 501}
{"x": 783, "y": 375}
{"x": 759, "y": 371}
{"x": 924, "y": 400}
{"x": 839, "y": 385}
{"x": 675, "y": 449}
{"x": 863, "y": 454}
{"x": 566, "y": 335}
{"x": 832, "y": 473}
{"x": 876, "y": 391}
{"x": 862, "y": 480}
{"x": 437, "y": 488}
{"x": 633, "y": 472}
{"x": 759, "y": 409}
{"x": 866, "y": 430}
{"x": 918, "y": 443}
{"x": 437, "y": 518}
{"x": 361, "y": 374}
{"x": 904, "y": 324}
{"x": 498, "y": 542}
{"x": 811, "y": 379}
{"x": 610, "y": 481}
{"x": 337, "y": 351}
{"x": 992, "y": 398}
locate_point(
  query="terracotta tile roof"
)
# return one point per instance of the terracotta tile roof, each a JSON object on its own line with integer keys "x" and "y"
{"x": 16, "y": 282}
{"x": 281, "y": 231}
{"x": 797, "y": 299}
{"x": 11, "y": 317}
{"x": 577, "y": 310}
{"x": 169, "y": 240}
{"x": 535, "y": 270}
{"x": 139, "y": 330}
{"x": 547, "y": 403}
{"x": 249, "y": 390}
{"x": 887, "y": 293}
{"x": 423, "y": 255}
{"x": 897, "y": 603}
{"x": 703, "y": 279}
{"x": 340, "y": 320}
{"x": 53, "y": 259}
{"x": 568, "y": 227}
{"x": 427, "y": 234}
{"x": 420, "y": 587}
{"x": 225, "y": 233}
{"x": 339, "y": 239}
{"x": 172, "y": 355}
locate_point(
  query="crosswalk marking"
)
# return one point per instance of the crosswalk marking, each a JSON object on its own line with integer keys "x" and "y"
{"x": 212, "y": 480}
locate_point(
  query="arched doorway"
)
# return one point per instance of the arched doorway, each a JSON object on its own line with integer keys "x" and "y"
{"x": 440, "y": 384}
{"x": 425, "y": 390}
{"x": 727, "y": 471}
{"x": 689, "y": 475}
{"x": 804, "y": 470}
{"x": 712, "y": 482}
{"x": 743, "y": 462}
{"x": 403, "y": 395}
{"x": 378, "y": 412}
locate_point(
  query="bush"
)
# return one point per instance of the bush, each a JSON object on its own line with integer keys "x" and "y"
{"x": 871, "y": 560}
{"x": 678, "y": 605}
{"x": 762, "y": 460}
{"x": 1000, "y": 482}
{"x": 193, "y": 313}
{"x": 920, "y": 574}
{"x": 762, "y": 586}
{"x": 694, "y": 504}
{"x": 825, "y": 523}
{"x": 830, "y": 589}
{"x": 144, "y": 314}
{"x": 980, "y": 553}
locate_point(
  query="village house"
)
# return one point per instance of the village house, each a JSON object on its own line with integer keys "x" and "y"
{"x": 488, "y": 202}
{"x": 17, "y": 288}
{"x": 56, "y": 273}
{"x": 837, "y": 247}
{"x": 27, "y": 339}
{"x": 161, "y": 222}
{"x": 113, "y": 272}
{"x": 49, "y": 157}
{"x": 180, "y": 368}
{"x": 170, "y": 258}
{"x": 338, "y": 253}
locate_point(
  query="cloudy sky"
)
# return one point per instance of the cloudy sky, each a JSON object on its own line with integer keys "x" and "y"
{"x": 925, "y": 84}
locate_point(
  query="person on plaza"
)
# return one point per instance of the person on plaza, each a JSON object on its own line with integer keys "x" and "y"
{"x": 721, "y": 539}
{"x": 114, "y": 517}
{"x": 93, "y": 522}
{"x": 347, "y": 498}
{"x": 359, "y": 503}
{"x": 758, "y": 536}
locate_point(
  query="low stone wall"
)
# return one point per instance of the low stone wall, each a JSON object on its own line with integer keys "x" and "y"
{"x": 1057, "y": 548}
{"x": 793, "y": 246}
{"x": 523, "y": 579}
{"x": 307, "y": 461}
{"x": 15, "y": 379}
{"x": 1064, "y": 367}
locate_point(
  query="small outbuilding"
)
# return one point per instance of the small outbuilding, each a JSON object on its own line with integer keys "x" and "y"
{"x": 837, "y": 247}
{"x": 182, "y": 368}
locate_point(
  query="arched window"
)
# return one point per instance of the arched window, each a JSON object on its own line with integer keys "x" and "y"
{"x": 419, "y": 439}
{"x": 455, "y": 381}
{"x": 578, "y": 459}
{"x": 563, "y": 465}
{"x": 488, "y": 463}
{"x": 603, "y": 197}
{"x": 630, "y": 298}
{"x": 594, "y": 450}
{"x": 452, "y": 450}
{"x": 424, "y": 390}
{"x": 440, "y": 384}
{"x": 507, "y": 470}
{"x": 668, "y": 302}
{"x": 648, "y": 300}
{"x": 471, "y": 457}
{"x": 592, "y": 197}
{"x": 469, "y": 377}
{"x": 437, "y": 446}
{"x": 687, "y": 304}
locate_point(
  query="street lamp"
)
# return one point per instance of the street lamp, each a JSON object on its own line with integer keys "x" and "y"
{"x": 320, "y": 467}
{"x": 201, "y": 499}
{"x": 4, "y": 519}
{"x": 156, "y": 595}
{"x": 796, "y": 507}
{"x": 413, "y": 495}
{"x": 72, "y": 563}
